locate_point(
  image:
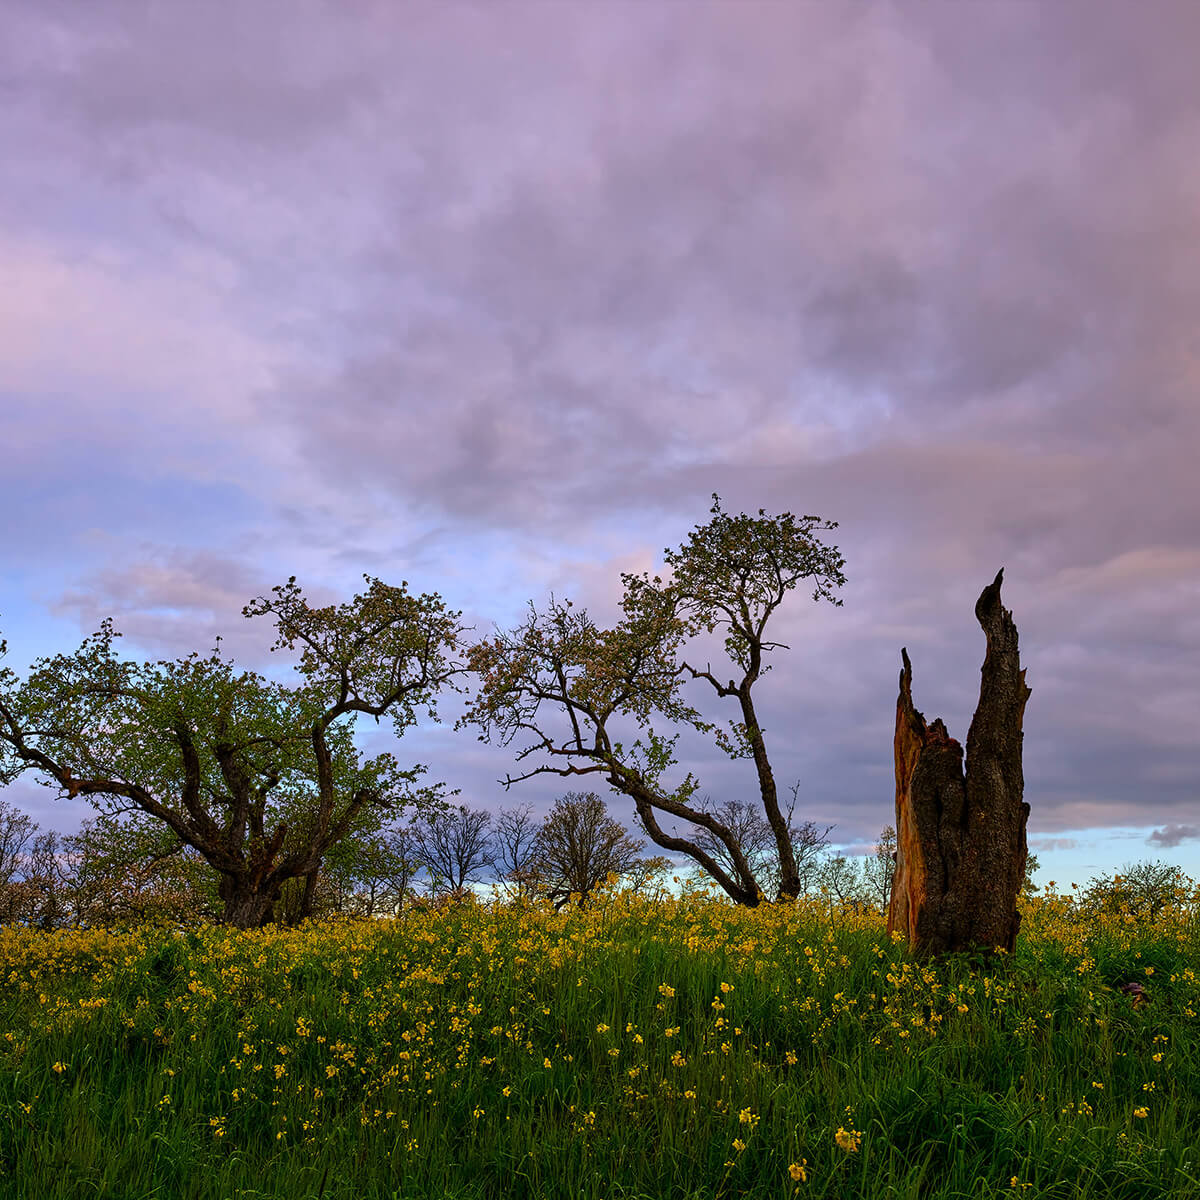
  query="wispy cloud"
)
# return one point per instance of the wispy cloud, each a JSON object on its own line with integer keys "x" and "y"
{"x": 1173, "y": 835}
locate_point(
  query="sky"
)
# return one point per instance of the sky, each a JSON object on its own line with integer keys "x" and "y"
{"x": 492, "y": 297}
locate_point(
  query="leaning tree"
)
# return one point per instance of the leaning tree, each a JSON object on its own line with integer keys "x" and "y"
{"x": 570, "y": 687}
{"x": 259, "y": 778}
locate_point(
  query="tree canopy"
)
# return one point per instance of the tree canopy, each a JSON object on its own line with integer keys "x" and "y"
{"x": 261, "y": 779}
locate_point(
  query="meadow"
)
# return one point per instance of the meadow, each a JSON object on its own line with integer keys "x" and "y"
{"x": 665, "y": 1049}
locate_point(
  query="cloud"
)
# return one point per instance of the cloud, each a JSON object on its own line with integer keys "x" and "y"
{"x": 493, "y": 299}
{"x": 174, "y": 602}
{"x": 1172, "y": 835}
{"x": 1047, "y": 845}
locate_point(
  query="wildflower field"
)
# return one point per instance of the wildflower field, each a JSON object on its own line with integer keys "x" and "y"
{"x": 674, "y": 1048}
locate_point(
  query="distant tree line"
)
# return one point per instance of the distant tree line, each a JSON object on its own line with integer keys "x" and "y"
{"x": 122, "y": 870}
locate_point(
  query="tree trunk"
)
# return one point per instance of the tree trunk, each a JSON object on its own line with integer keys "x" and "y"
{"x": 960, "y": 854}
{"x": 245, "y": 906}
{"x": 310, "y": 894}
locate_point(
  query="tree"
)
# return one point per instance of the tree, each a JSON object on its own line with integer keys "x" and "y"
{"x": 842, "y": 879}
{"x": 579, "y": 845}
{"x": 258, "y": 778}
{"x": 17, "y": 829}
{"x": 128, "y": 868}
{"x": 569, "y": 685}
{"x": 753, "y": 833}
{"x": 1140, "y": 889}
{"x": 384, "y": 870}
{"x": 28, "y": 871}
{"x": 364, "y": 875}
{"x": 961, "y": 849}
{"x": 514, "y": 846}
{"x": 1032, "y": 866}
{"x": 113, "y": 871}
{"x": 879, "y": 868}
{"x": 647, "y": 877}
{"x": 453, "y": 846}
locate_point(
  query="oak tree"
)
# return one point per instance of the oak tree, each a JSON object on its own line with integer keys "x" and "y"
{"x": 571, "y": 688}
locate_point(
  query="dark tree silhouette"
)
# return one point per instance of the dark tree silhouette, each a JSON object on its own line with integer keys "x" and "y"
{"x": 514, "y": 848}
{"x": 753, "y": 833}
{"x": 453, "y": 846}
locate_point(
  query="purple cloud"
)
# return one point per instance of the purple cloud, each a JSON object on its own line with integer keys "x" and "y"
{"x": 493, "y": 298}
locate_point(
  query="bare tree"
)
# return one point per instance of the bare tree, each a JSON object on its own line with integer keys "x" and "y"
{"x": 646, "y": 877}
{"x": 390, "y": 869}
{"x": 29, "y": 872}
{"x": 842, "y": 878}
{"x": 453, "y": 846}
{"x": 753, "y": 833}
{"x": 879, "y": 868}
{"x": 567, "y": 685}
{"x": 47, "y": 883}
{"x": 17, "y": 829}
{"x": 370, "y": 875}
{"x": 579, "y": 845}
{"x": 514, "y": 842}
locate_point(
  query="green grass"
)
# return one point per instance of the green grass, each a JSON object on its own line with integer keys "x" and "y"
{"x": 409, "y": 1059}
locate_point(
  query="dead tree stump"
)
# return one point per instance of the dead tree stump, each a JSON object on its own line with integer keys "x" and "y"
{"x": 960, "y": 837}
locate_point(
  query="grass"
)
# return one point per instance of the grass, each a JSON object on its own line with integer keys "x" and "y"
{"x": 637, "y": 1050}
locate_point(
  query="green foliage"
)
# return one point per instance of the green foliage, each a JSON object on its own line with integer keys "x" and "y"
{"x": 385, "y": 652}
{"x": 571, "y": 690}
{"x": 261, "y": 779}
{"x": 735, "y": 571}
{"x": 1032, "y": 866}
{"x": 1140, "y": 890}
{"x": 879, "y": 869}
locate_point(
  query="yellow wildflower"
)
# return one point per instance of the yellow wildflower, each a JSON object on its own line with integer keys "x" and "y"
{"x": 848, "y": 1139}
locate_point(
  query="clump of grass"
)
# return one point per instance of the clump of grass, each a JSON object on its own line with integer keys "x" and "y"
{"x": 680, "y": 1048}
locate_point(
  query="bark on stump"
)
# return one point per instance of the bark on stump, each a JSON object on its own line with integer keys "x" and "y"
{"x": 960, "y": 837}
